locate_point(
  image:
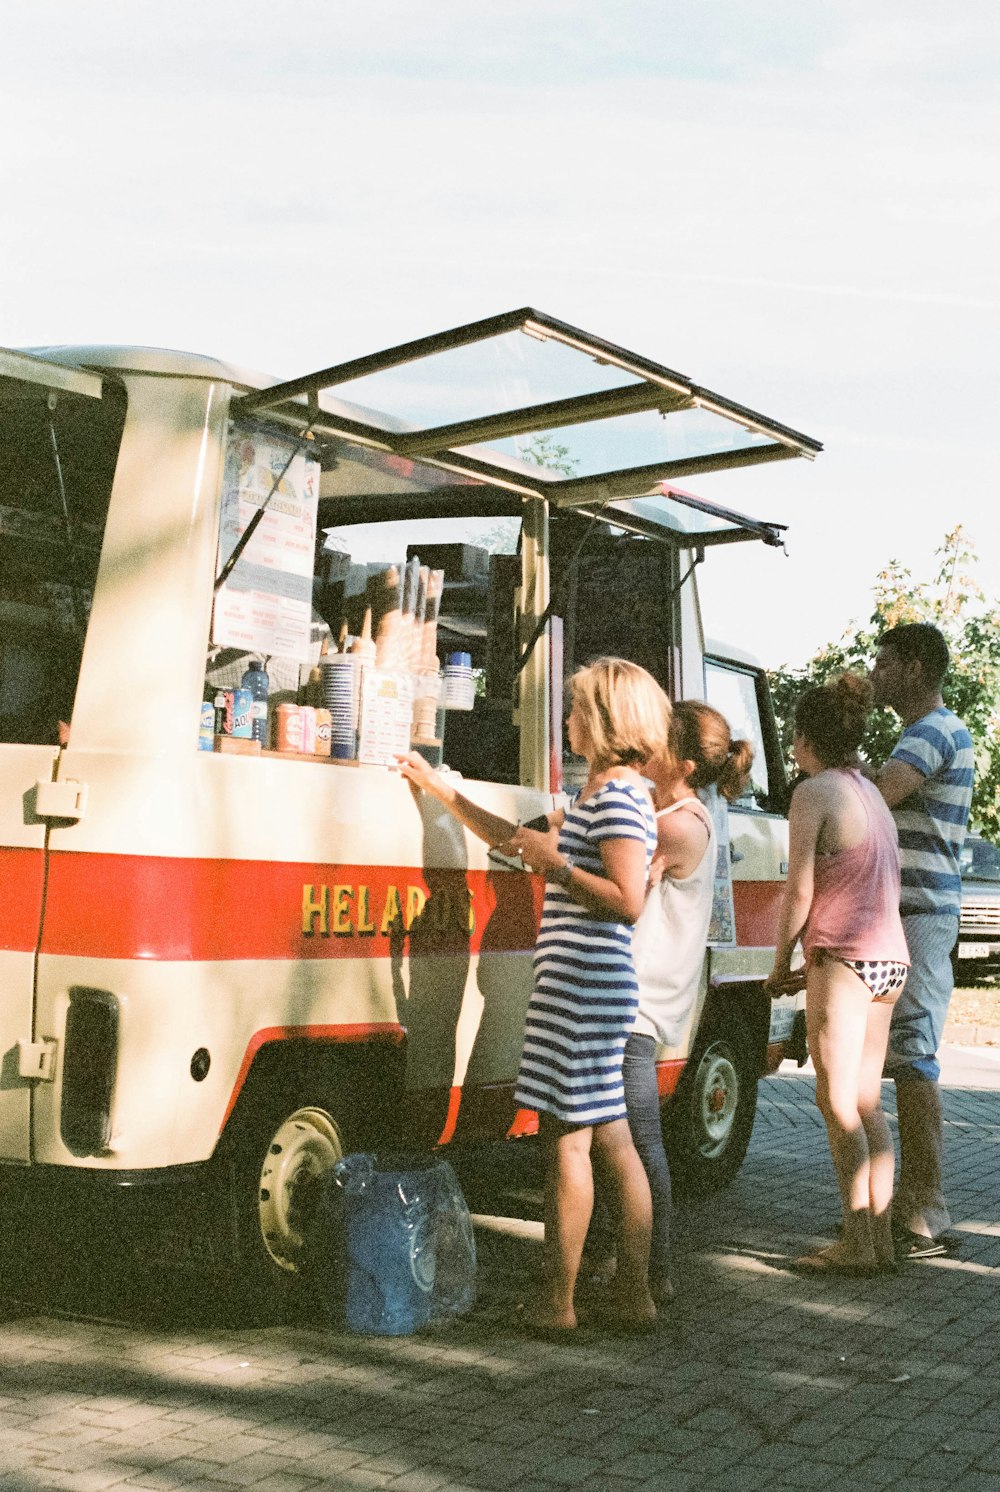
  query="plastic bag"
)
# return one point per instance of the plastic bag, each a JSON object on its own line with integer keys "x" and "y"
{"x": 454, "y": 1289}
{"x": 408, "y": 1243}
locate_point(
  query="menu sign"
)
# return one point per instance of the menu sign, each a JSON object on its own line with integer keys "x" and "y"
{"x": 722, "y": 930}
{"x": 386, "y": 716}
{"x": 265, "y": 605}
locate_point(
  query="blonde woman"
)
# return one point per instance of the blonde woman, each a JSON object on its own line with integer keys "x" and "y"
{"x": 595, "y": 857}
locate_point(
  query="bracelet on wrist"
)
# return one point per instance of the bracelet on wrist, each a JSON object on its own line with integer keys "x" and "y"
{"x": 562, "y": 874}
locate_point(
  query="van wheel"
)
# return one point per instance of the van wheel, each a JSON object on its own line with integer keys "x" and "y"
{"x": 707, "y": 1125}
{"x": 278, "y": 1152}
{"x": 303, "y": 1148}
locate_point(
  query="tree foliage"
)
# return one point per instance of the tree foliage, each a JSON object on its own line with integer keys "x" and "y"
{"x": 544, "y": 450}
{"x": 970, "y": 620}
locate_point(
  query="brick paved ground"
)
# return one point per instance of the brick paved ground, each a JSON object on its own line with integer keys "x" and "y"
{"x": 757, "y": 1379}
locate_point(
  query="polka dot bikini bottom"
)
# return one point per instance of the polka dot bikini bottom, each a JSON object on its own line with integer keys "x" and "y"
{"x": 885, "y": 977}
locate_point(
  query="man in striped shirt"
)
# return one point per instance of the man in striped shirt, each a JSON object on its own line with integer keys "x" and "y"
{"x": 927, "y": 782}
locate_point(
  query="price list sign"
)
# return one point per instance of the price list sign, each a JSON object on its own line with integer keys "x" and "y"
{"x": 265, "y": 605}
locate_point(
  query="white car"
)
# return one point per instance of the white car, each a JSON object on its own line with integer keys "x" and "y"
{"x": 978, "y": 950}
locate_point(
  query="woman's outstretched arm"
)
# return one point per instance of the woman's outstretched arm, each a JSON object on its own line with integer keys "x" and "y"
{"x": 488, "y": 826}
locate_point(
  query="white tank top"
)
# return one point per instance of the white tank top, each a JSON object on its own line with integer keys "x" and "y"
{"x": 669, "y": 939}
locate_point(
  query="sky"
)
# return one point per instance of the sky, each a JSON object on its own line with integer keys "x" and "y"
{"x": 794, "y": 205}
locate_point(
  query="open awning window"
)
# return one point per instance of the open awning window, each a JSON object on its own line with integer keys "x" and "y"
{"x": 536, "y": 407}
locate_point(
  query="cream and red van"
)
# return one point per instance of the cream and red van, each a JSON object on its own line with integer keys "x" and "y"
{"x": 230, "y": 965}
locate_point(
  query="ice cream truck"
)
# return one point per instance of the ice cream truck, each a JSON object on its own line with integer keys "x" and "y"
{"x": 233, "y": 943}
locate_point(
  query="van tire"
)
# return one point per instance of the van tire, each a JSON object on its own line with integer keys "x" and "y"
{"x": 708, "y": 1122}
{"x": 284, "y": 1138}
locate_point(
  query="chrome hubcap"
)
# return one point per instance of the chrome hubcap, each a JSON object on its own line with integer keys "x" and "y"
{"x": 302, "y": 1150}
{"x": 717, "y": 1089}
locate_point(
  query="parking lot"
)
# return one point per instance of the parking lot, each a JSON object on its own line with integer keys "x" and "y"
{"x": 756, "y": 1378}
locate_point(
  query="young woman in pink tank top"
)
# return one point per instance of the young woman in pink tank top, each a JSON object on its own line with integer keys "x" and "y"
{"x": 842, "y": 899}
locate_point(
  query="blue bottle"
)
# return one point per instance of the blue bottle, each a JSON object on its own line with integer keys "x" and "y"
{"x": 256, "y": 680}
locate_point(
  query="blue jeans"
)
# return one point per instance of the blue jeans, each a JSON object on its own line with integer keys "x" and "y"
{"x": 918, "y": 1016}
{"x": 642, "y": 1100}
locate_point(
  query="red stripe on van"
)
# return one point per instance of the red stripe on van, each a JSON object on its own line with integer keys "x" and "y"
{"x": 389, "y": 1032}
{"x": 451, "y": 1119}
{"x": 148, "y": 907}
{"x": 22, "y": 879}
{"x": 757, "y": 905}
{"x": 668, "y": 1075}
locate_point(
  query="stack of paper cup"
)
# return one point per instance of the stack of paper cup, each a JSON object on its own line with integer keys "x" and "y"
{"x": 340, "y": 685}
{"x": 459, "y": 683}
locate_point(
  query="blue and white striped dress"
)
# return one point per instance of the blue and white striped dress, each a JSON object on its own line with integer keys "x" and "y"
{"x": 586, "y": 996}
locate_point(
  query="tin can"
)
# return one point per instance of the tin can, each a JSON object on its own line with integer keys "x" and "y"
{"x": 206, "y": 729}
{"x": 239, "y": 713}
{"x": 308, "y": 714}
{"x": 324, "y": 732}
{"x": 288, "y": 728}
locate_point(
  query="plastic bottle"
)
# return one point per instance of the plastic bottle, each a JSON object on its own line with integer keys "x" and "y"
{"x": 256, "y": 680}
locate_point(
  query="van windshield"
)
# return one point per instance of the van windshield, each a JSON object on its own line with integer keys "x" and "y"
{"x": 980, "y": 860}
{"x": 56, "y": 470}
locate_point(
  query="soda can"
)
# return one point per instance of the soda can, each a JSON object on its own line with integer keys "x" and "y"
{"x": 239, "y": 713}
{"x": 206, "y": 729}
{"x": 324, "y": 732}
{"x": 308, "y": 714}
{"x": 288, "y": 728}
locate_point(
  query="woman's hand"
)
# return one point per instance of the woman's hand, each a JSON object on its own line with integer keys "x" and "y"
{"x": 784, "y": 981}
{"x": 419, "y": 773}
{"x": 539, "y": 851}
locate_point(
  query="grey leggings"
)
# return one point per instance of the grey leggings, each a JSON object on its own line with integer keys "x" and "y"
{"x": 642, "y": 1099}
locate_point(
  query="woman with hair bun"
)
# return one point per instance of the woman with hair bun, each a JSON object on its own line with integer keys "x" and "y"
{"x": 668, "y": 945}
{"x": 842, "y": 898}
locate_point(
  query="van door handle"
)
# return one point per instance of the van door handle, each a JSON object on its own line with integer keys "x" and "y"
{"x": 61, "y": 800}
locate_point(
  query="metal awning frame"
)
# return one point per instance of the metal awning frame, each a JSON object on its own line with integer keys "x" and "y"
{"x": 660, "y": 388}
{"x": 297, "y": 403}
{"x": 23, "y": 367}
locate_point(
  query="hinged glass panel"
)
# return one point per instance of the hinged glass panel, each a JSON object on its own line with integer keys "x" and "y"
{"x": 534, "y": 404}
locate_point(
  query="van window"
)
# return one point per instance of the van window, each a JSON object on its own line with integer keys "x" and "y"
{"x": 51, "y": 532}
{"x": 365, "y": 542}
{"x": 482, "y": 569}
{"x": 615, "y": 594}
{"x": 735, "y": 692}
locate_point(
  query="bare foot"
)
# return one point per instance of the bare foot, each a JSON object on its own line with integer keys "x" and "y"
{"x": 541, "y": 1316}
{"x": 662, "y": 1291}
{"x": 599, "y": 1272}
{"x": 628, "y": 1311}
{"x": 837, "y": 1260}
